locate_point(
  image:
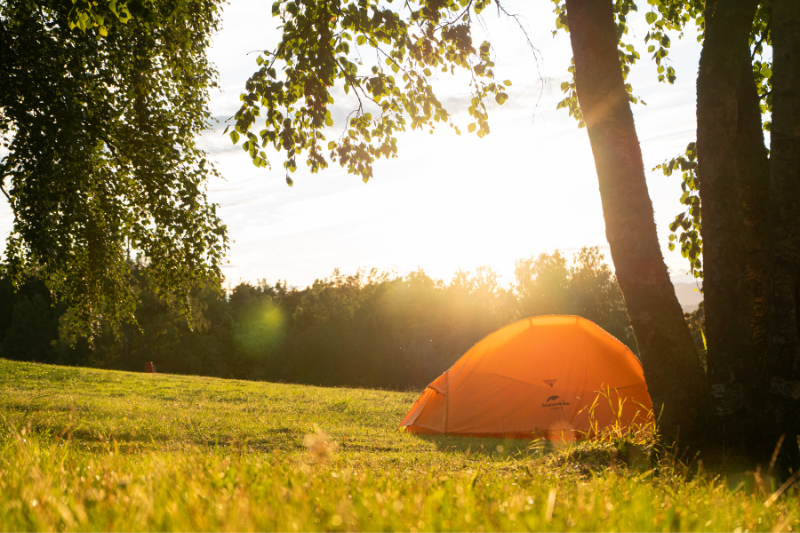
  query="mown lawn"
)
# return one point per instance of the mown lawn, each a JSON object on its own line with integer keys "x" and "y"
{"x": 84, "y": 449}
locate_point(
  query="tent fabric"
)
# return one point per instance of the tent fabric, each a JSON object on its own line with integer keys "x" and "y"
{"x": 538, "y": 377}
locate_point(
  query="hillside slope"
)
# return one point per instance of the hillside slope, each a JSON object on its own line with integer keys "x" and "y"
{"x": 142, "y": 411}
{"x": 89, "y": 450}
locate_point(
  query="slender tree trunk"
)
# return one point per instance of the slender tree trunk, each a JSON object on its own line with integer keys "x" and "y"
{"x": 732, "y": 368}
{"x": 784, "y": 243}
{"x": 674, "y": 376}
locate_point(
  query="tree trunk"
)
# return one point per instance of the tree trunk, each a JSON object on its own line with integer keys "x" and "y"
{"x": 732, "y": 366}
{"x": 784, "y": 243}
{"x": 753, "y": 164}
{"x": 674, "y": 376}
{"x": 754, "y": 191}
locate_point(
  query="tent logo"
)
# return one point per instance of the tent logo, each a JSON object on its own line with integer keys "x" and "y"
{"x": 550, "y": 382}
{"x": 554, "y": 402}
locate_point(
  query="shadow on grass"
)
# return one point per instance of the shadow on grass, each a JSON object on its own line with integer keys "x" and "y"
{"x": 494, "y": 448}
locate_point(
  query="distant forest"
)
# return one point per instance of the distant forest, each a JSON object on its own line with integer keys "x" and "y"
{"x": 368, "y": 329}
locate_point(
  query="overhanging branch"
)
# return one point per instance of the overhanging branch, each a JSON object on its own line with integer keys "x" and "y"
{"x": 5, "y": 193}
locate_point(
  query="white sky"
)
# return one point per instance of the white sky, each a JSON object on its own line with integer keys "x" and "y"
{"x": 447, "y": 202}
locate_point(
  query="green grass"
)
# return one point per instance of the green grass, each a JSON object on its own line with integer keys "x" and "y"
{"x": 84, "y": 449}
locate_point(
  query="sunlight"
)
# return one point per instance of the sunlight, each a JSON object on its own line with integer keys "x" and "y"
{"x": 495, "y": 200}
{"x": 448, "y": 201}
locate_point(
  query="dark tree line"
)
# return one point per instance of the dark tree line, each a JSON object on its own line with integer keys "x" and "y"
{"x": 367, "y": 329}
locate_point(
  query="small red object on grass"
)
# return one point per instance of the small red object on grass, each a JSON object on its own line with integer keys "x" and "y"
{"x": 150, "y": 368}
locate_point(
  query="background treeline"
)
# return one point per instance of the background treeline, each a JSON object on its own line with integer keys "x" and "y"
{"x": 370, "y": 329}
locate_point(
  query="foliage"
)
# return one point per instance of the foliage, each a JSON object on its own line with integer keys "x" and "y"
{"x": 97, "y": 450}
{"x": 323, "y": 47}
{"x": 87, "y": 14}
{"x": 29, "y": 321}
{"x": 260, "y": 322}
{"x": 548, "y": 285}
{"x": 368, "y": 329}
{"x": 689, "y": 220}
{"x": 32, "y": 320}
{"x": 373, "y": 329}
{"x": 99, "y": 123}
{"x": 666, "y": 16}
{"x": 761, "y": 43}
{"x": 162, "y": 334}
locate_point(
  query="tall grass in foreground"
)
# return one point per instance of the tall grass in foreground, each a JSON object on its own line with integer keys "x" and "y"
{"x": 94, "y": 450}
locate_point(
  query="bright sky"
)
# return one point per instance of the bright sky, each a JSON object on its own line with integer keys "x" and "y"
{"x": 447, "y": 202}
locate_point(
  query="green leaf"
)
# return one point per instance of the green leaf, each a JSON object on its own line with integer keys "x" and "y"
{"x": 651, "y": 17}
{"x": 361, "y": 40}
{"x": 156, "y": 176}
{"x": 235, "y": 136}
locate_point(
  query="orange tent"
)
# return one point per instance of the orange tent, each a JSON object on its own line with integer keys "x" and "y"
{"x": 537, "y": 377}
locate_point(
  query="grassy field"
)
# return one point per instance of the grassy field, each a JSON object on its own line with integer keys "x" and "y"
{"x": 84, "y": 449}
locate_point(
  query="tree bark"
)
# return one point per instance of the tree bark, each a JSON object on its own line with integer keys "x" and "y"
{"x": 753, "y": 163}
{"x": 675, "y": 379}
{"x": 731, "y": 366}
{"x": 783, "y": 362}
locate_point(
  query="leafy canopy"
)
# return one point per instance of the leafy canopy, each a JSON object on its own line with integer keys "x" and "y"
{"x": 99, "y": 112}
{"x": 324, "y": 44}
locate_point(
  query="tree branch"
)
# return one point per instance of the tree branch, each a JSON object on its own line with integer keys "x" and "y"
{"x": 534, "y": 50}
{"x": 2, "y": 188}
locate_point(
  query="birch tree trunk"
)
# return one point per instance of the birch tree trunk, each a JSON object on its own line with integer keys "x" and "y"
{"x": 675, "y": 379}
